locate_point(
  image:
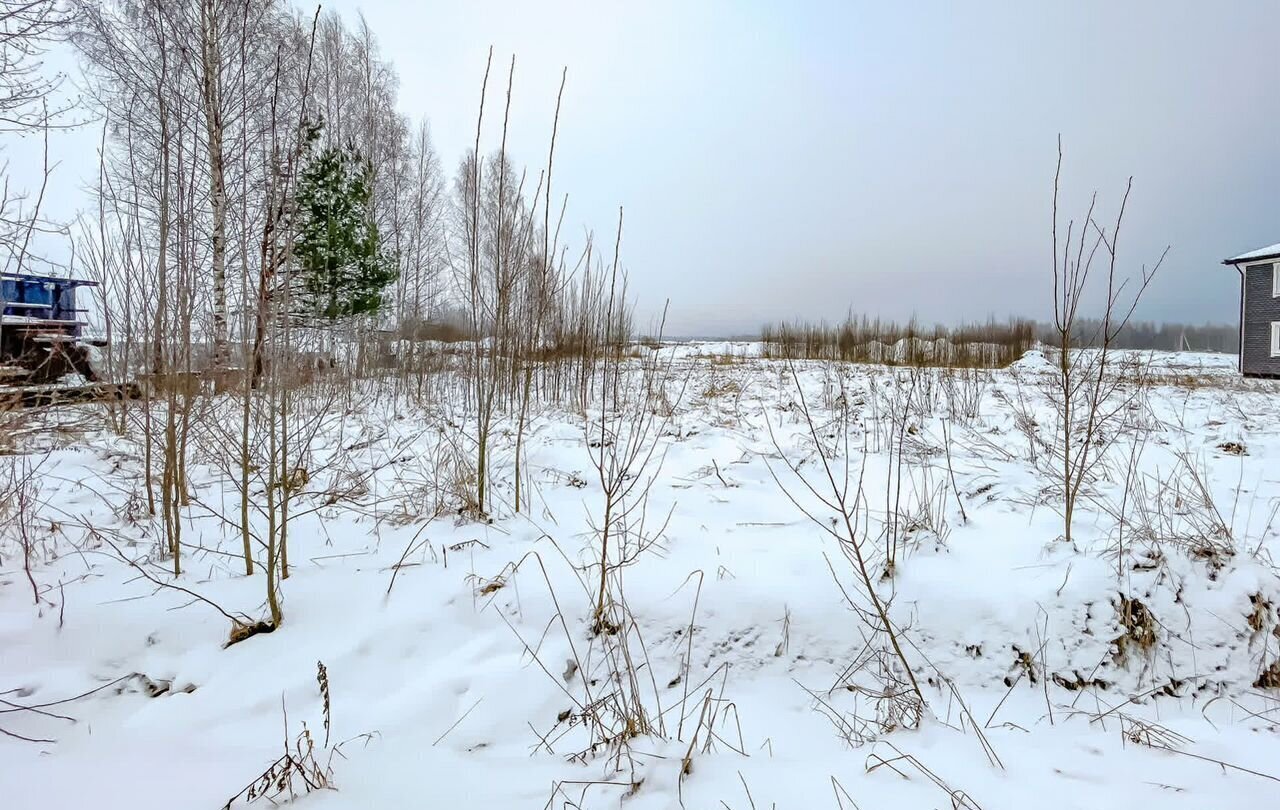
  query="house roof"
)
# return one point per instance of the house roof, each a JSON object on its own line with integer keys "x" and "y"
{"x": 1261, "y": 254}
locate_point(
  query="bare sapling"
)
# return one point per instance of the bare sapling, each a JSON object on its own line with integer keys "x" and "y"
{"x": 1090, "y": 390}
{"x": 482, "y": 357}
{"x": 623, "y": 441}
{"x": 542, "y": 285}
{"x": 843, "y": 498}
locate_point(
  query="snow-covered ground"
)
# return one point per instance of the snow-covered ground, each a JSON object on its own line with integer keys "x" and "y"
{"x": 1124, "y": 669}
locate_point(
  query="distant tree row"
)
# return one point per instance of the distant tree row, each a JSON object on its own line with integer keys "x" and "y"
{"x": 993, "y": 343}
{"x": 1148, "y": 335}
{"x": 875, "y": 340}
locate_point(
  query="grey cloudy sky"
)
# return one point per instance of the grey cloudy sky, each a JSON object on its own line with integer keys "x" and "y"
{"x": 798, "y": 159}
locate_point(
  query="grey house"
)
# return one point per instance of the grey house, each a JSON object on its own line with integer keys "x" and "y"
{"x": 1259, "y": 311}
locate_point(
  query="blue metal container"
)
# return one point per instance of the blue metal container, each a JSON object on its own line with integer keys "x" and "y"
{"x": 40, "y": 325}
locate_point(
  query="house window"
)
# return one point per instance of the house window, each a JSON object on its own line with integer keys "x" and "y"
{"x": 1275, "y": 280}
{"x": 1275, "y": 338}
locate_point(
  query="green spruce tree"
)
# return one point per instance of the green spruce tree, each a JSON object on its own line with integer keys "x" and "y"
{"x": 343, "y": 264}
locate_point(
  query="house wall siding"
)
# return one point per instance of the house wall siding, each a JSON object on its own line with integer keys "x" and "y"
{"x": 1261, "y": 308}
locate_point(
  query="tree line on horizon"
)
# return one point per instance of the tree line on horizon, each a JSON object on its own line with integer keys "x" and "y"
{"x": 989, "y": 343}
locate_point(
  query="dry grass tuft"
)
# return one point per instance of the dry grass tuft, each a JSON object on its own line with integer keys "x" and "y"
{"x": 241, "y": 631}
{"x": 721, "y": 388}
{"x": 1151, "y": 735}
{"x": 1269, "y": 678}
{"x": 297, "y": 771}
{"x": 1259, "y": 612}
{"x": 727, "y": 360}
{"x": 1139, "y": 626}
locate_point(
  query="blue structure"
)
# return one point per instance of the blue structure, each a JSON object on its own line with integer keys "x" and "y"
{"x": 40, "y": 326}
{"x": 43, "y": 298}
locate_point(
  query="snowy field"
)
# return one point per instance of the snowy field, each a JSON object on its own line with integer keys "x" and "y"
{"x": 740, "y": 665}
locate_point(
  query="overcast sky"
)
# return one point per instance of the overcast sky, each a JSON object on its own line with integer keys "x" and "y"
{"x": 797, "y": 159}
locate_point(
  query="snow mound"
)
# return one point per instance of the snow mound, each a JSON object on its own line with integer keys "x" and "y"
{"x": 1033, "y": 361}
